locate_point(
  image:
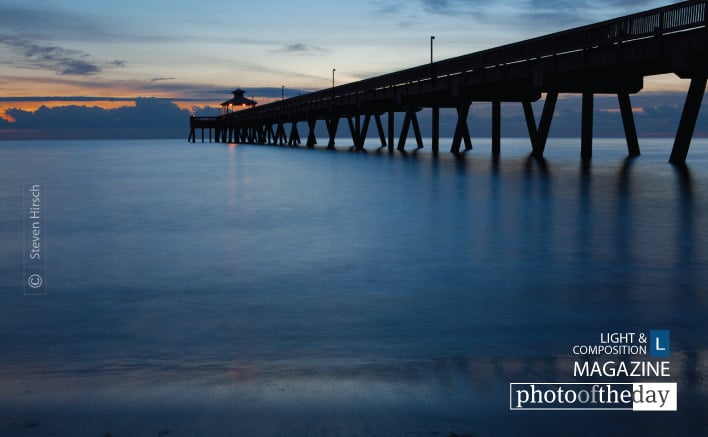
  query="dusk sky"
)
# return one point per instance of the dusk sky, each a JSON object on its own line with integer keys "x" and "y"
{"x": 193, "y": 53}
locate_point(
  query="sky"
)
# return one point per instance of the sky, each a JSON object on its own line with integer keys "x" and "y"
{"x": 106, "y": 54}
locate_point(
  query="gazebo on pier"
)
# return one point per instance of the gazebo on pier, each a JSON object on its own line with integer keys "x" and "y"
{"x": 237, "y": 103}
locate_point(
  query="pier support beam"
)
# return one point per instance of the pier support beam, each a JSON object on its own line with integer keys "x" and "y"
{"x": 531, "y": 125}
{"x": 269, "y": 134}
{"x": 462, "y": 131}
{"x": 311, "y": 138}
{"x": 390, "y": 120}
{"x": 539, "y": 135}
{"x": 416, "y": 129}
{"x": 380, "y": 129}
{"x": 332, "y": 130}
{"x": 358, "y": 130}
{"x": 496, "y": 128}
{"x": 544, "y": 126}
{"x": 280, "y": 136}
{"x": 354, "y": 128}
{"x": 294, "y": 139}
{"x": 410, "y": 119}
{"x": 436, "y": 129}
{"x": 586, "y": 128}
{"x": 682, "y": 142}
{"x": 630, "y": 130}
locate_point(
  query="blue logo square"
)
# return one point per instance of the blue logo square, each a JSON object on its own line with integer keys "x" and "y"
{"x": 660, "y": 343}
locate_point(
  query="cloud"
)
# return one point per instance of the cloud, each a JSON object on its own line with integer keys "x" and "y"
{"x": 53, "y": 21}
{"x": 152, "y": 117}
{"x": 161, "y": 79}
{"x": 62, "y": 21}
{"x": 299, "y": 48}
{"x": 50, "y": 57}
{"x": 77, "y": 67}
{"x": 566, "y": 13}
{"x": 147, "y": 113}
{"x": 516, "y": 14}
{"x": 387, "y": 7}
{"x": 440, "y": 6}
{"x": 408, "y": 21}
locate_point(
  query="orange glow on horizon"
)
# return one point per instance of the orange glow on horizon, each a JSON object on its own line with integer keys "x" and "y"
{"x": 189, "y": 106}
{"x": 636, "y": 110}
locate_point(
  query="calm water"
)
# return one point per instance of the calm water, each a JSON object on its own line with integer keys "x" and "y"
{"x": 210, "y": 289}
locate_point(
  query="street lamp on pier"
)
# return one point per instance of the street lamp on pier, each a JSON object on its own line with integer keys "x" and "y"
{"x": 432, "y": 37}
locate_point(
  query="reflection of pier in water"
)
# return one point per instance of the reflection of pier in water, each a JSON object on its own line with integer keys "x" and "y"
{"x": 611, "y": 57}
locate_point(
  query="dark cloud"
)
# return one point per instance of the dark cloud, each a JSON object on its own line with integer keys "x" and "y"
{"x": 441, "y": 6}
{"x": 50, "y": 57}
{"x": 408, "y": 21}
{"x": 563, "y": 14}
{"x": 146, "y": 114}
{"x": 296, "y": 48}
{"x": 388, "y": 7}
{"x": 152, "y": 117}
{"x": 160, "y": 79}
{"x": 519, "y": 14}
{"x": 76, "y": 67}
{"x": 55, "y": 21}
{"x": 49, "y": 20}
{"x": 299, "y": 49}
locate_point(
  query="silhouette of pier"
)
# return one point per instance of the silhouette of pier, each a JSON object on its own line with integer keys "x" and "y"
{"x": 610, "y": 57}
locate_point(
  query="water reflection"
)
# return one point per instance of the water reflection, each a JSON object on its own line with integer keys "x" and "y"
{"x": 686, "y": 233}
{"x": 421, "y": 285}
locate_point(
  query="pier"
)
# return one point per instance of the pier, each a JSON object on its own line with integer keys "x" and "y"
{"x": 610, "y": 57}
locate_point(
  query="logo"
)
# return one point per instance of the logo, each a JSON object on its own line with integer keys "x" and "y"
{"x": 660, "y": 343}
{"x": 617, "y": 358}
{"x": 645, "y": 396}
{"x": 34, "y": 281}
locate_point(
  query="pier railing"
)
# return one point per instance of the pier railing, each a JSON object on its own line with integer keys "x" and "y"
{"x": 203, "y": 119}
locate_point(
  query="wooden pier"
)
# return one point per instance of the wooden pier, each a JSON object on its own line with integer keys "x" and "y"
{"x": 610, "y": 57}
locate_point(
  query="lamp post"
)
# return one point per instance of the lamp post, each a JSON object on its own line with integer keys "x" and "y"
{"x": 436, "y": 109}
{"x": 333, "y": 121}
{"x": 282, "y": 92}
{"x": 432, "y": 37}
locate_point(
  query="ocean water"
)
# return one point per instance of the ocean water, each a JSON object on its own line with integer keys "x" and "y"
{"x": 213, "y": 289}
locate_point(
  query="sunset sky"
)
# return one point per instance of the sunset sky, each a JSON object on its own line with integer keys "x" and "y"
{"x": 193, "y": 53}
